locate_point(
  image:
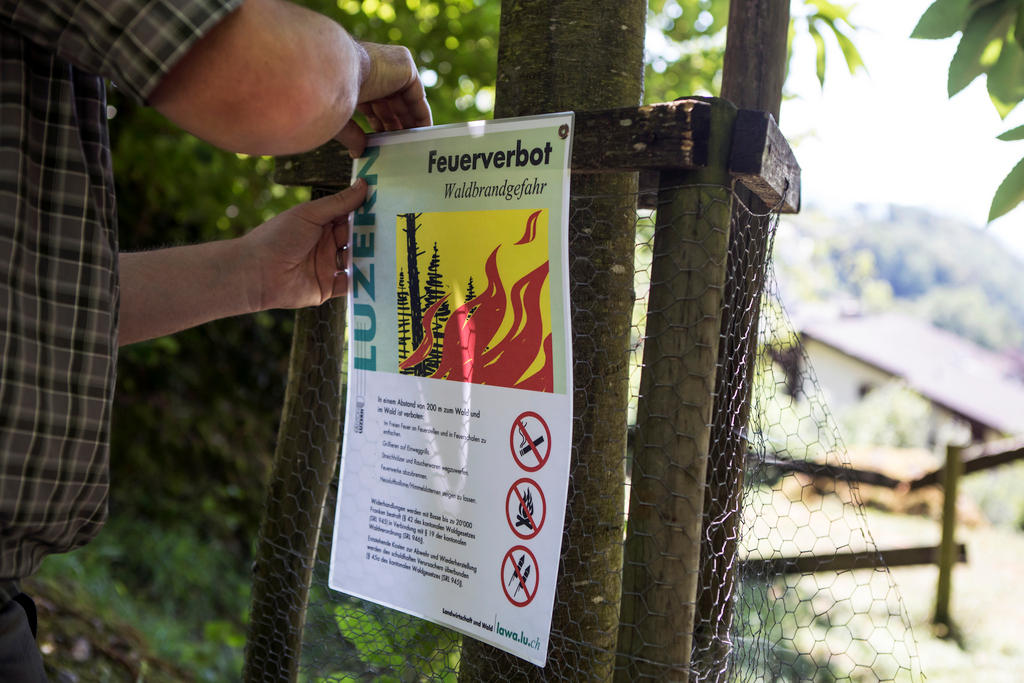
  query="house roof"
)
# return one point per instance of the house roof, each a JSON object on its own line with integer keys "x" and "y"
{"x": 980, "y": 385}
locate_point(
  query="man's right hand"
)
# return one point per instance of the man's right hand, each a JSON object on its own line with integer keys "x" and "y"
{"x": 391, "y": 95}
{"x": 276, "y": 78}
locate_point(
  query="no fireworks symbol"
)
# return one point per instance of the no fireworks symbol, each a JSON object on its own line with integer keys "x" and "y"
{"x": 519, "y": 576}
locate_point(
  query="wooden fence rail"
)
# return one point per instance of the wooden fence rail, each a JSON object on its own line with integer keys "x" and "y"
{"x": 866, "y": 559}
{"x": 976, "y": 458}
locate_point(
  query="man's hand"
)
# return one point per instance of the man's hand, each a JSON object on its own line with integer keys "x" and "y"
{"x": 295, "y": 259}
{"x": 391, "y": 95}
{"x": 276, "y": 78}
{"x": 299, "y": 257}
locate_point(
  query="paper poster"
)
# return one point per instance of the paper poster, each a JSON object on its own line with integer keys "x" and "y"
{"x": 458, "y": 423}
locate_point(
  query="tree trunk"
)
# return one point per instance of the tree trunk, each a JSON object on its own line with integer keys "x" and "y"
{"x": 558, "y": 55}
{"x": 753, "y": 74}
{"x": 674, "y": 414}
{"x": 305, "y": 460}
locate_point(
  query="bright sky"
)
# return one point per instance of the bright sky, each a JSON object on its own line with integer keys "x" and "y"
{"x": 892, "y": 135}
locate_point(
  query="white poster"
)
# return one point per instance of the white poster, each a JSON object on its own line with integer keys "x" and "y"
{"x": 458, "y": 423}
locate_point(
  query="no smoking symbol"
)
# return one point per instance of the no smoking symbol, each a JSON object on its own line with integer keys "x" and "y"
{"x": 530, "y": 441}
{"x": 525, "y": 508}
{"x": 519, "y": 576}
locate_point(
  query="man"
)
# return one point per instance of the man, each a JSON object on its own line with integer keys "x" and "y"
{"x": 252, "y": 76}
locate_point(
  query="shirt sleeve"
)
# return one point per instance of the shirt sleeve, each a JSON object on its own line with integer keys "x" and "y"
{"x": 134, "y": 43}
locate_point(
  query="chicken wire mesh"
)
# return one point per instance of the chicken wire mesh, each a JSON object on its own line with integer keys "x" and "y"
{"x": 674, "y": 565}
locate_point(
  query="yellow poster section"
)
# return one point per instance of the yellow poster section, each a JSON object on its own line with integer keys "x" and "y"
{"x": 465, "y": 239}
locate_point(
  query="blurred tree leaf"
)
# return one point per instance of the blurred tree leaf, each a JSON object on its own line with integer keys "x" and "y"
{"x": 942, "y": 19}
{"x": 827, "y": 18}
{"x": 1006, "y": 78}
{"x": 1013, "y": 134}
{"x": 1009, "y": 194}
{"x": 980, "y": 44}
{"x": 1018, "y": 29}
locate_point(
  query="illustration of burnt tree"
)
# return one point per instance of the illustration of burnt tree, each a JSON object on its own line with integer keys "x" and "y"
{"x": 412, "y": 254}
{"x": 470, "y": 293}
{"x": 434, "y": 292}
{"x": 404, "y": 316}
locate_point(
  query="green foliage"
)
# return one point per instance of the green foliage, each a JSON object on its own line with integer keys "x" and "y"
{"x": 181, "y": 588}
{"x": 454, "y": 44}
{"x": 967, "y": 310}
{"x": 980, "y": 45}
{"x": 991, "y": 43}
{"x": 891, "y": 415}
{"x": 686, "y": 41}
{"x": 690, "y": 57}
{"x": 396, "y": 647}
{"x": 822, "y": 18}
{"x": 997, "y": 493}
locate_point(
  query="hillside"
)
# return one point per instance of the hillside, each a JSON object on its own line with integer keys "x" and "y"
{"x": 897, "y": 258}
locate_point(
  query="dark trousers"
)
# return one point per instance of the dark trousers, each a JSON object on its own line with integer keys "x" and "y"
{"x": 20, "y": 661}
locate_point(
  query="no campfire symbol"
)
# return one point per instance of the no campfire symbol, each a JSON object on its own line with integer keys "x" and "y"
{"x": 525, "y": 508}
{"x": 530, "y": 441}
{"x": 519, "y": 576}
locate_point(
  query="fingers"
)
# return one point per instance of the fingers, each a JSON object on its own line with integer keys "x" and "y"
{"x": 393, "y": 97}
{"x": 353, "y": 138}
{"x": 415, "y": 100}
{"x": 325, "y": 264}
{"x": 338, "y": 282}
{"x": 333, "y": 207}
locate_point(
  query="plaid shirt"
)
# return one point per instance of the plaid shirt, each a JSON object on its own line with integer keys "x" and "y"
{"x": 58, "y": 253}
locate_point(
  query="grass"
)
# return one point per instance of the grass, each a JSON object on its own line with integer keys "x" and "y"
{"x": 171, "y": 597}
{"x": 987, "y": 593}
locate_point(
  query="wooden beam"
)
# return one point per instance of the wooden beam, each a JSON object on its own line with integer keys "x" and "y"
{"x": 977, "y": 458}
{"x": 648, "y": 139}
{"x": 327, "y": 166}
{"x": 837, "y": 472}
{"x": 868, "y": 559}
{"x": 763, "y": 161}
{"x": 671, "y": 135}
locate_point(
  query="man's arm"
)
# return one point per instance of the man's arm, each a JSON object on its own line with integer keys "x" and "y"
{"x": 276, "y": 78}
{"x": 288, "y": 262}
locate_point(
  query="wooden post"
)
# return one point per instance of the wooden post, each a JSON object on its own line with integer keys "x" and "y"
{"x": 558, "y": 55}
{"x": 947, "y": 547}
{"x": 308, "y": 443}
{"x": 662, "y": 551}
{"x": 753, "y": 73}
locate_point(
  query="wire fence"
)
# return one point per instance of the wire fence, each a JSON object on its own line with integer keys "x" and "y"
{"x": 667, "y": 568}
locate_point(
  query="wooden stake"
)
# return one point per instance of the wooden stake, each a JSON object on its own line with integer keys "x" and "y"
{"x": 662, "y": 554}
{"x": 947, "y": 547}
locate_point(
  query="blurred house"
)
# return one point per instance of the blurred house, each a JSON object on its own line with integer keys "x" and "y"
{"x": 967, "y": 385}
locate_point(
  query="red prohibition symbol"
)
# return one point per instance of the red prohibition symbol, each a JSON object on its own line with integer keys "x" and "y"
{"x": 525, "y": 503}
{"x": 530, "y": 441}
{"x": 519, "y": 576}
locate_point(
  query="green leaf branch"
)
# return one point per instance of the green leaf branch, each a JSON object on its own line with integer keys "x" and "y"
{"x": 991, "y": 44}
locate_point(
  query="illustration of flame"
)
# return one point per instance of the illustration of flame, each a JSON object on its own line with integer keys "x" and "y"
{"x": 525, "y": 513}
{"x": 531, "y": 229}
{"x": 470, "y": 351}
